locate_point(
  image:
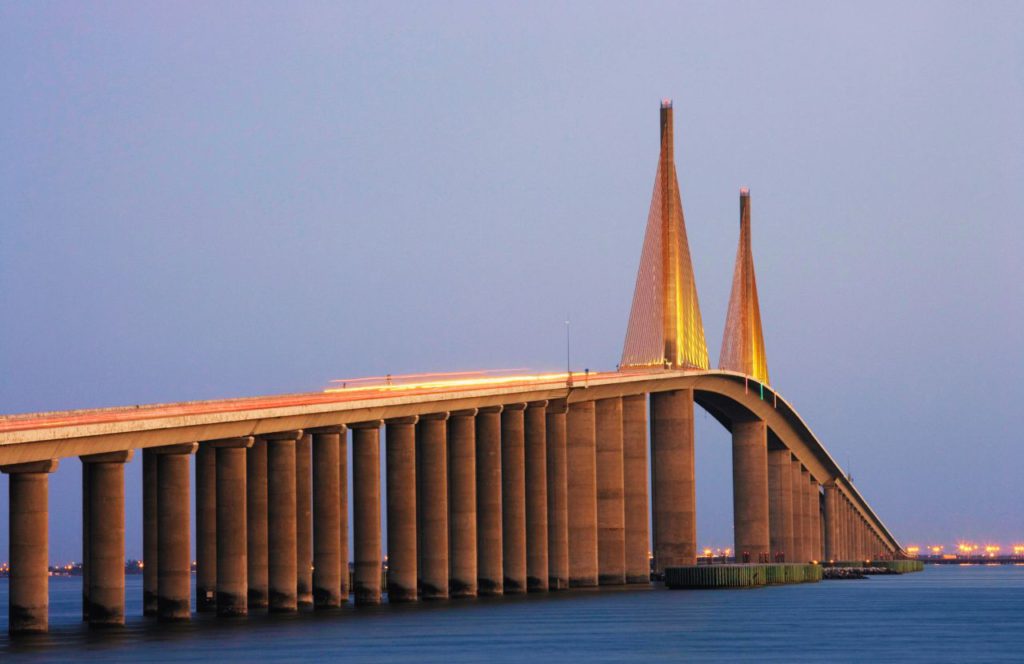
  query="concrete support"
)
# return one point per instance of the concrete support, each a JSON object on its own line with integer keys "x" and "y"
{"x": 206, "y": 529}
{"x": 174, "y": 559}
{"x": 799, "y": 502}
{"x": 780, "y": 505}
{"x": 535, "y": 437}
{"x": 432, "y": 503}
{"x": 808, "y": 513}
{"x": 750, "y": 491}
{"x": 673, "y": 488}
{"x": 304, "y": 519}
{"x": 232, "y": 558}
{"x": 462, "y": 505}
{"x": 558, "y": 507}
{"x": 149, "y": 542}
{"x": 816, "y": 546}
{"x": 611, "y": 508}
{"x": 282, "y": 568}
{"x": 401, "y": 490}
{"x": 513, "y": 499}
{"x": 256, "y": 524}
{"x": 103, "y": 571}
{"x": 635, "y": 474}
{"x": 581, "y": 483}
{"x": 366, "y": 512}
{"x": 490, "y": 566}
{"x": 328, "y": 564}
{"x": 85, "y": 541}
{"x": 831, "y": 527}
{"x": 28, "y": 542}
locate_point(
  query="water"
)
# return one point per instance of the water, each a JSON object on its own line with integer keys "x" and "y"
{"x": 945, "y": 614}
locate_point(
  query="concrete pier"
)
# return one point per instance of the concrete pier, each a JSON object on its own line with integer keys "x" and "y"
{"x": 28, "y": 590}
{"x": 206, "y": 529}
{"x": 304, "y": 519}
{"x": 401, "y": 509}
{"x": 830, "y": 523}
{"x": 750, "y": 491}
{"x": 150, "y": 550}
{"x": 432, "y": 502}
{"x": 327, "y": 516}
{"x": 85, "y": 541}
{"x": 808, "y": 513}
{"x": 174, "y": 559}
{"x": 282, "y": 569}
{"x": 513, "y": 499}
{"x": 535, "y": 423}
{"x": 673, "y": 488}
{"x": 611, "y": 508}
{"x": 366, "y": 512}
{"x": 635, "y": 475}
{"x": 558, "y": 508}
{"x": 462, "y": 505}
{"x": 103, "y": 571}
{"x": 256, "y": 528}
{"x": 581, "y": 484}
{"x": 817, "y": 553}
{"x": 490, "y": 566}
{"x": 797, "y": 484}
{"x": 232, "y": 560}
{"x": 780, "y": 505}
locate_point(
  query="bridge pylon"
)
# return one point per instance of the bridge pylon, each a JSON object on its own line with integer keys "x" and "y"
{"x": 743, "y": 340}
{"x": 665, "y": 327}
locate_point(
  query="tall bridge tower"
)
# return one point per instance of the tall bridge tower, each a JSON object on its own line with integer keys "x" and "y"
{"x": 665, "y": 327}
{"x": 743, "y": 341}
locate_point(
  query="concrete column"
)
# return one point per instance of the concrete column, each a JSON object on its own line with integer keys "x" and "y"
{"x": 150, "y": 549}
{"x": 231, "y": 540}
{"x": 780, "y": 505}
{"x": 808, "y": 529}
{"x": 462, "y": 505}
{"x": 634, "y": 474}
{"x": 366, "y": 512}
{"x": 816, "y": 546}
{"x": 328, "y": 565}
{"x": 104, "y": 537}
{"x": 799, "y": 503}
{"x": 750, "y": 491}
{"x": 490, "y": 564}
{"x": 558, "y": 506}
{"x": 256, "y": 526}
{"x": 401, "y": 489}
{"x": 673, "y": 489}
{"x": 206, "y": 528}
{"x": 28, "y": 542}
{"x": 174, "y": 559}
{"x": 535, "y": 436}
{"x": 85, "y": 540}
{"x": 831, "y": 540}
{"x": 513, "y": 499}
{"x": 432, "y": 502}
{"x": 581, "y": 484}
{"x": 282, "y": 563}
{"x": 304, "y": 519}
{"x": 611, "y": 506}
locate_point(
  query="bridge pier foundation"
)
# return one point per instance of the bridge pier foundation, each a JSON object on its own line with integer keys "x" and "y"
{"x": 256, "y": 525}
{"x": 634, "y": 477}
{"x": 750, "y": 491}
{"x": 328, "y": 564}
{"x": 513, "y": 499}
{"x": 808, "y": 514}
{"x": 558, "y": 507}
{"x": 367, "y": 552}
{"x": 799, "y": 503}
{"x": 780, "y": 505}
{"x": 401, "y": 510}
{"x": 206, "y": 528}
{"x": 150, "y": 550}
{"x": 304, "y": 520}
{"x": 462, "y": 509}
{"x": 535, "y": 440}
{"x": 282, "y": 567}
{"x": 432, "y": 503}
{"x": 673, "y": 488}
{"x": 174, "y": 559}
{"x": 28, "y": 542}
{"x": 581, "y": 489}
{"x": 611, "y": 510}
{"x": 490, "y": 567}
{"x": 103, "y": 558}
{"x": 231, "y": 540}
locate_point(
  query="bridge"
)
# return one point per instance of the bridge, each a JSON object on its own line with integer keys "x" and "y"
{"x": 494, "y": 484}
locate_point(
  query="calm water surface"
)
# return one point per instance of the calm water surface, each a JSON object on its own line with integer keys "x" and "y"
{"x": 945, "y": 614}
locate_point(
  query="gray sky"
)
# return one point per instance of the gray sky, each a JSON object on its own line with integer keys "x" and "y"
{"x": 208, "y": 200}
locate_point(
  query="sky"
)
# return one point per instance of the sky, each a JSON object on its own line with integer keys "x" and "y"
{"x": 204, "y": 200}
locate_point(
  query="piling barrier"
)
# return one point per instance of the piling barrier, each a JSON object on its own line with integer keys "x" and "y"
{"x": 740, "y": 576}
